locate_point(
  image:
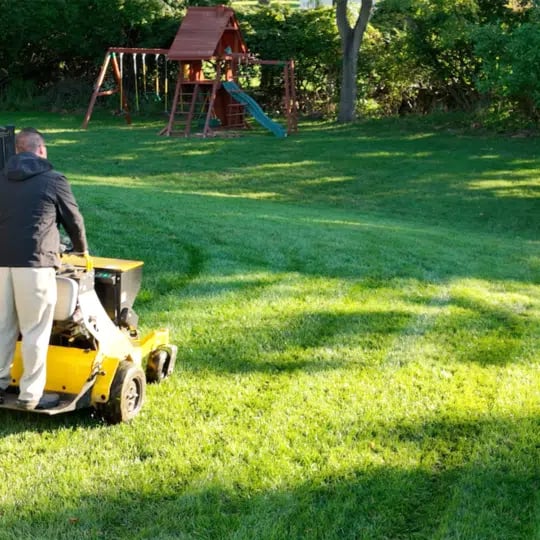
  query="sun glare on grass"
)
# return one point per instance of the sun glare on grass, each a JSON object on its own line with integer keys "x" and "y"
{"x": 524, "y": 189}
{"x": 243, "y": 195}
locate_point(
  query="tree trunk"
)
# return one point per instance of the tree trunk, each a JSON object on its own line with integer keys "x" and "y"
{"x": 351, "y": 39}
{"x": 348, "y": 91}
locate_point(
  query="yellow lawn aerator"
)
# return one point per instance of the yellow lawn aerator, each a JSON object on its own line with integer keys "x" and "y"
{"x": 96, "y": 357}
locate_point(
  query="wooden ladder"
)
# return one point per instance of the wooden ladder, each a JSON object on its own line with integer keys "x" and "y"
{"x": 179, "y": 115}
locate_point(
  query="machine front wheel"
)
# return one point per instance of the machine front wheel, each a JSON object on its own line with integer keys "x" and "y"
{"x": 160, "y": 364}
{"x": 126, "y": 396}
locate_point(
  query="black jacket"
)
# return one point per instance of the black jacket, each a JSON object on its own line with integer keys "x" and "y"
{"x": 34, "y": 200}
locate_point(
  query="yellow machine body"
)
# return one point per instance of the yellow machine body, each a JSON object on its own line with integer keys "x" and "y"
{"x": 96, "y": 355}
{"x": 69, "y": 368}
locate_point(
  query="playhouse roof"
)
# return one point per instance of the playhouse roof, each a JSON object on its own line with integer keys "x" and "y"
{"x": 207, "y": 32}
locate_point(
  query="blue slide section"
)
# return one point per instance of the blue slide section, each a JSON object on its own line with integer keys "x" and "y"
{"x": 254, "y": 108}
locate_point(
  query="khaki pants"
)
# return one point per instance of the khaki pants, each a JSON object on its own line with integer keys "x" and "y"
{"x": 27, "y": 300}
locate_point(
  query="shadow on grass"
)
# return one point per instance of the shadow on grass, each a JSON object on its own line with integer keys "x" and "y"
{"x": 492, "y": 495}
{"x": 495, "y": 334}
{"x": 311, "y": 343}
{"x": 15, "y": 422}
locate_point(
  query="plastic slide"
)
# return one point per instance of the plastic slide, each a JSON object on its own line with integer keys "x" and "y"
{"x": 254, "y": 108}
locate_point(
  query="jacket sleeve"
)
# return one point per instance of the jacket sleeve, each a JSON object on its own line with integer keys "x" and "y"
{"x": 69, "y": 216}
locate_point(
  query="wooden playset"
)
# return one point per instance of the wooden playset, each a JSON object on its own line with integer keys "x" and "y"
{"x": 206, "y": 53}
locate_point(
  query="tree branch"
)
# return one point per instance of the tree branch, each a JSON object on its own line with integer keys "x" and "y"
{"x": 342, "y": 20}
{"x": 362, "y": 21}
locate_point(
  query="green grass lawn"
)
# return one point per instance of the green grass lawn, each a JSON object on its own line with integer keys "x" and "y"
{"x": 357, "y": 311}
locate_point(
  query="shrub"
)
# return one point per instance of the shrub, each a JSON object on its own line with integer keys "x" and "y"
{"x": 510, "y": 65}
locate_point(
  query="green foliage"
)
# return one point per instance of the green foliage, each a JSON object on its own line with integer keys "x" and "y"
{"x": 511, "y": 65}
{"x": 45, "y": 41}
{"x": 159, "y": 33}
{"x": 433, "y": 44}
{"x": 21, "y": 95}
{"x": 389, "y": 78}
{"x": 437, "y": 42}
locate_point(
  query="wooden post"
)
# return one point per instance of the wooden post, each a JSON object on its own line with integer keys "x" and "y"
{"x": 168, "y": 129}
{"x": 287, "y": 97}
{"x": 292, "y": 114}
{"x": 215, "y": 86}
{"x": 97, "y": 89}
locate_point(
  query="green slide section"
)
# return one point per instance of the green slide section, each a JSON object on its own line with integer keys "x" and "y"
{"x": 254, "y": 108}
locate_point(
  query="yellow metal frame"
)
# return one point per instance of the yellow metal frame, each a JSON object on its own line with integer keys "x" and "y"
{"x": 70, "y": 368}
{"x": 105, "y": 263}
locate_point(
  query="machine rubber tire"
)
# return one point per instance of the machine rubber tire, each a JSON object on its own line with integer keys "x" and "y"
{"x": 127, "y": 394}
{"x": 160, "y": 364}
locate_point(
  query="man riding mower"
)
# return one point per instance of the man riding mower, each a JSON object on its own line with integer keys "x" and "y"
{"x": 68, "y": 334}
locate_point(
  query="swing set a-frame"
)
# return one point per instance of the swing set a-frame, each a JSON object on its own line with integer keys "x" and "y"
{"x": 115, "y": 59}
{"x": 208, "y": 51}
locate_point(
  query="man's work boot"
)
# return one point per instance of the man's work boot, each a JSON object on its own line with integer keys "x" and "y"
{"x": 47, "y": 401}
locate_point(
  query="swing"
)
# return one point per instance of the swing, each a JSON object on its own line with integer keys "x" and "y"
{"x": 144, "y": 76}
{"x": 157, "y": 96}
{"x": 166, "y": 86}
{"x": 137, "y": 108}
{"x": 121, "y": 82}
